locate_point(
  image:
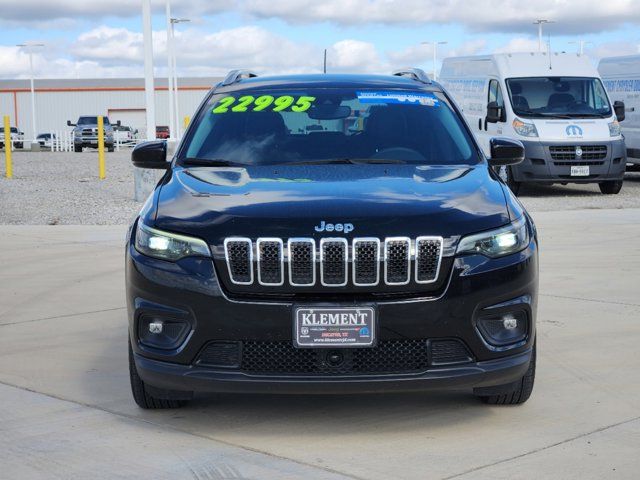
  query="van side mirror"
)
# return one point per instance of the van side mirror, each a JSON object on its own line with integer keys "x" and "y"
{"x": 619, "y": 109}
{"x": 119, "y": 123}
{"x": 494, "y": 113}
{"x": 505, "y": 151}
{"x": 151, "y": 155}
{"x": 69, "y": 124}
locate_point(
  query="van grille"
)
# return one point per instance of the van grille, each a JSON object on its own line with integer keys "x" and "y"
{"x": 569, "y": 152}
{"x": 371, "y": 261}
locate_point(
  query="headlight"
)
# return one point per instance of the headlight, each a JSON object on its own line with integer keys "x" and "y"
{"x": 497, "y": 243}
{"x": 525, "y": 129}
{"x": 614, "y": 129}
{"x": 168, "y": 246}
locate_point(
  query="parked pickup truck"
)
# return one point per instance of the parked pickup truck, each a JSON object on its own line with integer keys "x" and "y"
{"x": 17, "y": 137}
{"x": 85, "y": 132}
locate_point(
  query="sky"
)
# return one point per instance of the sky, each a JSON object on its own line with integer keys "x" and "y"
{"x": 95, "y": 39}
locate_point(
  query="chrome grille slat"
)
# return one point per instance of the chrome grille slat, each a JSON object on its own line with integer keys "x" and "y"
{"x": 239, "y": 255}
{"x": 334, "y": 258}
{"x": 302, "y": 261}
{"x": 397, "y": 260}
{"x": 270, "y": 258}
{"x": 366, "y": 261}
{"x": 403, "y": 259}
{"x": 428, "y": 259}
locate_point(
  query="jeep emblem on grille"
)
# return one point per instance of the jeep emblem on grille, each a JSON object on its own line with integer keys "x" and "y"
{"x": 334, "y": 227}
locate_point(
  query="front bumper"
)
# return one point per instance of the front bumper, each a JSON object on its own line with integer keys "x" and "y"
{"x": 170, "y": 376}
{"x": 540, "y": 166}
{"x": 189, "y": 290}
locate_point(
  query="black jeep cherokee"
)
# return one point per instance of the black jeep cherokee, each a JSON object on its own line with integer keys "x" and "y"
{"x": 330, "y": 234}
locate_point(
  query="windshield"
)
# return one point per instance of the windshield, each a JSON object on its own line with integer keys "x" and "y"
{"x": 91, "y": 120}
{"x": 558, "y": 96}
{"x": 268, "y": 127}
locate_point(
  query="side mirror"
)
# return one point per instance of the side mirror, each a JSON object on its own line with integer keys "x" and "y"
{"x": 119, "y": 123}
{"x": 619, "y": 109}
{"x": 505, "y": 151}
{"x": 150, "y": 155}
{"x": 69, "y": 124}
{"x": 494, "y": 112}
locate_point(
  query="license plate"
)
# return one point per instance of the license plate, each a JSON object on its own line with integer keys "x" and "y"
{"x": 334, "y": 327}
{"x": 580, "y": 171}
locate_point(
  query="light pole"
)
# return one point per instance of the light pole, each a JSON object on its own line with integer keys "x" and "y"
{"x": 541, "y": 22}
{"x": 149, "y": 88}
{"x": 172, "y": 126}
{"x": 174, "y": 68}
{"x": 29, "y": 46}
{"x": 435, "y": 55}
{"x": 582, "y": 43}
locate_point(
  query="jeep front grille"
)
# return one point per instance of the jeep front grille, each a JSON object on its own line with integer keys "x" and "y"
{"x": 366, "y": 261}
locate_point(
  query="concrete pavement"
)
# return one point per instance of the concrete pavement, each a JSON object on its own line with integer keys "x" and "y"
{"x": 68, "y": 411}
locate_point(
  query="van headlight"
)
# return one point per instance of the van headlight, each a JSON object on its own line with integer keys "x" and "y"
{"x": 497, "y": 243}
{"x": 525, "y": 129}
{"x": 614, "y": 129}
{"x": 168, "y": 246}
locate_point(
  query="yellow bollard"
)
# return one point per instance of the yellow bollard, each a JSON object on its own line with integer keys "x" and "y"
{"x": 101, "y": 147}
{"x": 7, "y": 148}
{"x": 187, "y": 120}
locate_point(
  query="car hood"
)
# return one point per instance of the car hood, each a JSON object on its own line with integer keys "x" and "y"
{"x": 291, "y": 201}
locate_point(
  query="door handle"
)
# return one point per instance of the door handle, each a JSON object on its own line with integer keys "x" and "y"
{"x": 479, "y": 124}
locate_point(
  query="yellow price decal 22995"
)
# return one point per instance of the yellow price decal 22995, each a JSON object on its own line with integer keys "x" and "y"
{"x": 264, "y": 102}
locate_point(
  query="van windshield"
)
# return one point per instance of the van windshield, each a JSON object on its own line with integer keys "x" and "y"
{"x": 269, "y": 127}
{"x": 579, "y": 97}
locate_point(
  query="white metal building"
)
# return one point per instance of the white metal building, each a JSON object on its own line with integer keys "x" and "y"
{"x": 59, "y": 100}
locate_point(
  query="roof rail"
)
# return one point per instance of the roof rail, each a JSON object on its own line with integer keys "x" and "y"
{"x": 416, "y": 73}
{"x": 236, "y": 75}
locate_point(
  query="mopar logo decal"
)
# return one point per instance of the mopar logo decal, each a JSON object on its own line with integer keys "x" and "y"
{"x": 573, "y": 131}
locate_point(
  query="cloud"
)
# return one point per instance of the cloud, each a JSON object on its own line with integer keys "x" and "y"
{"x": 481, "y": 16}
{"x": 38, "y": 10}
{"x": 354, "y": 56}
{"x": 612, "y": 49}
{"x": 519, "y": 44}
{"x": 496, "y": 15}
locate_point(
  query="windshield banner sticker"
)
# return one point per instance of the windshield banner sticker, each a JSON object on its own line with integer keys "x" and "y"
{"x": 248, "y": 103}
{"x": 427, "y": 99}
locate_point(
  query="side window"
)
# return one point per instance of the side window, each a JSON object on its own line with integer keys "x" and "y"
{"x": 495, "y": 93}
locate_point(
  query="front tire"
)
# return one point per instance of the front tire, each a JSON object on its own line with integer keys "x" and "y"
{"x": 517, "y": 392}
{"x": 611, "y": 187}
{"x": 77, "y": 149}
{"x": 142, "y": 395}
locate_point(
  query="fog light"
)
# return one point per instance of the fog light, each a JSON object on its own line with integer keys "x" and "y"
{"x": 504, "y": 329}
{"x": 155, "y": 327}
{"x": 509, "y": 322}
{"x": 164, "y": 333}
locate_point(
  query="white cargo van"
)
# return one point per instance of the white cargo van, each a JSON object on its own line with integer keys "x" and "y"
{"x": 621, "y": 77}
{"x": 555, "y": 104}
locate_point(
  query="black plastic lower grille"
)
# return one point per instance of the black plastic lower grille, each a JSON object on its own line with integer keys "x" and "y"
{"x": 448, "y": 352}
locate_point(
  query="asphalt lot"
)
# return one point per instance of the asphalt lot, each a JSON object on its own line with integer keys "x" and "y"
{"x": 67, "y": 410}
{"x": 63, "y": 188}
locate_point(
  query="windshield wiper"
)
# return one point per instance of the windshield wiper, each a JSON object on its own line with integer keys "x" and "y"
{"x": 347, "y": 161}
{"x": 211, "y": 162}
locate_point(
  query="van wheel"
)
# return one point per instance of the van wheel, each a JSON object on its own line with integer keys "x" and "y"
{"x": 611, "y": 188}
{"x": 506, "y": 175}
{"x": 514, "y": 393}
{"x": 150, "y": 398}
{"x": 77, "y": 149}
{"x": 111, "y": 149}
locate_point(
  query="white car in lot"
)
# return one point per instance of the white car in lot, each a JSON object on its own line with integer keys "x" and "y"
{"x": 45, "y": 139}
{"x": 124, "y": 134}
{"x": 17, "y": 137}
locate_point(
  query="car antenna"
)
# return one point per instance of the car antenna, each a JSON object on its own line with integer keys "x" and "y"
{"x": 549, "y": 50}
{"x": 325, "y": 61}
